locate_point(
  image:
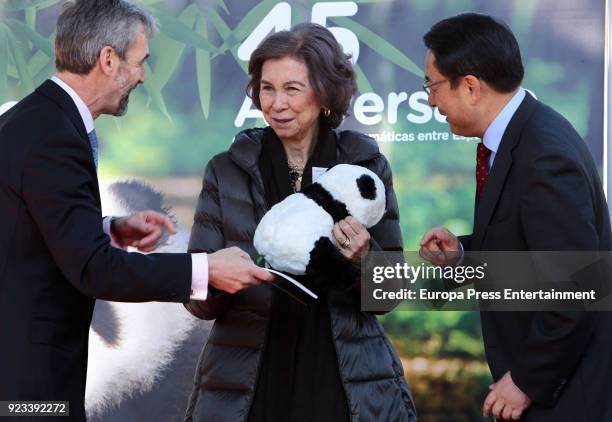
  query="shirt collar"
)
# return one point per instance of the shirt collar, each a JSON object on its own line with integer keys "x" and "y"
{"x": 494, "y": 133}
{"x": 83, "y": 110}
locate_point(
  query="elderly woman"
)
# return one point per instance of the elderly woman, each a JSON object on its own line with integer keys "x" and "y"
{"x": 269, "y": 357}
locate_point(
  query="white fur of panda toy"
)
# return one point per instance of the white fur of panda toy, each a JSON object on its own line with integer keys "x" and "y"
{"x": 295, "y": 235}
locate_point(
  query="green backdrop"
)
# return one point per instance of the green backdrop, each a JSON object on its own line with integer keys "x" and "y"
{"x": 193, "y": 103}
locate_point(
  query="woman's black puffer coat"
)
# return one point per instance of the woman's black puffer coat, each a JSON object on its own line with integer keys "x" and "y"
{"x": 231, "y": 204}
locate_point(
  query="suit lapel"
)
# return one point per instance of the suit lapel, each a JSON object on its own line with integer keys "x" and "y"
{"x": 501, "y": 167}
{"x": 56, "y": 94}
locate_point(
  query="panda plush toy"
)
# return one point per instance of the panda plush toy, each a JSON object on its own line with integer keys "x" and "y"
{"x": 295, "y": 235}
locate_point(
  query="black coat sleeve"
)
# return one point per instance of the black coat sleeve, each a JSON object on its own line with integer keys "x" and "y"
{"x": 557, "y": 211}
{"x": 207, "y": 236}
{"x": 386, "y": 235}
{"x": 60, "y": 191}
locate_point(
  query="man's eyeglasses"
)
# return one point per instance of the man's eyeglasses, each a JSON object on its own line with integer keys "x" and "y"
{"x": 428, "y": 84}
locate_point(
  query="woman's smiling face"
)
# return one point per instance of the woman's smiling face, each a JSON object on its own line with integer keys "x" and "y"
{"x": 288, "y": 101}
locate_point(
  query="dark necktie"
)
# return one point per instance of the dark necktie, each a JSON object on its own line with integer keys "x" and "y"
{"x": 93, "y": 140}
{"x": 482, "y": 168}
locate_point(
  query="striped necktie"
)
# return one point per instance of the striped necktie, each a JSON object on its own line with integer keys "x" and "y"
{"x": 93, "y": 140}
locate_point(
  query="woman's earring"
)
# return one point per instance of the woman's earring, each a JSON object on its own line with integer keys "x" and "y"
{"x": 326, "y": 112}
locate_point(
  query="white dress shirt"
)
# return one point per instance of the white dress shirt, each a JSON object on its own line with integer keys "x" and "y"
{"x": 199, "y": 261}
{"x": 494, "y": 133}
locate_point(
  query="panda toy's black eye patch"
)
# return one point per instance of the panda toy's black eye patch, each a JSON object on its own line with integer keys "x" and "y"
{"x": 367, "y": 187}
{"x": 323, "y": 198}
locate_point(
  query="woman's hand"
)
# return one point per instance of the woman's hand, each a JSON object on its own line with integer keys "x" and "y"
{"x": 352, "y": 238}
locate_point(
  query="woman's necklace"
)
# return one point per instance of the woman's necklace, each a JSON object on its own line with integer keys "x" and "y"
{"x": 295, "y": 176}
{"x": 297, "y": 171}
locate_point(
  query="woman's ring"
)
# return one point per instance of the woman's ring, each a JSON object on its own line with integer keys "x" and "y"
{"x": 346, "y": 243}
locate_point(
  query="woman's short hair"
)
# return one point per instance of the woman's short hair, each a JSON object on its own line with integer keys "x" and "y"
{"x": 85, "y": 27}
{"x": 478, "y": 45}
{"x": 330, "y": 70}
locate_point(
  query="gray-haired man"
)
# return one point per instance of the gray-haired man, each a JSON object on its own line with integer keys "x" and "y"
{"x": 56, "y": 256}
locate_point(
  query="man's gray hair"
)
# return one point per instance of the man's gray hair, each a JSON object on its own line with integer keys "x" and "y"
{"x": 85, "y": 27}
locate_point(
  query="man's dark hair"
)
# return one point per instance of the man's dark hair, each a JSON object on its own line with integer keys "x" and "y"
{"x": 331, "y": 72}
{"x": 478, "y": 45}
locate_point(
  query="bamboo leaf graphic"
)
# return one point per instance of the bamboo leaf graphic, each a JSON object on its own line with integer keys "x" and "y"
{"x": 24, "y": 32}
{"x": 226, "y": 33}
{"x": 49, "y": 69}
{"x": 17, "y": 52}
{"x": 203, "y": 69}
{"x": 16, "y": 5}
{"x": 153, "y": 88}
{"x": 223, "y": 6}
{"x": 37, "y": 62}
{"x": 149, "y": 2}
{"x": 45, "y": 73}
{"x": 380, "y": 45}
{"x": 30, "y": 18}
{"x": 247, "y": 24}
{"x": 168, "y": 52}
{"x": 177, "y": 30}
{"x": 362, "y": 81}
{"x": 4, "y": 57}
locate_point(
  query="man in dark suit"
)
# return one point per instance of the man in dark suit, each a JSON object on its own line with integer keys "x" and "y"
{"x": 537, "y": 190}
{"x": 56, "y": 256}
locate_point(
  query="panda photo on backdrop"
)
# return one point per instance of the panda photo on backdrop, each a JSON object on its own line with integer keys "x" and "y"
{"x": 309, "y": 248}
{"x": 142, "y": 356}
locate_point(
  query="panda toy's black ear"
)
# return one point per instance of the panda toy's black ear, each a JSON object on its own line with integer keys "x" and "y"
{"x": 367, "y": 187}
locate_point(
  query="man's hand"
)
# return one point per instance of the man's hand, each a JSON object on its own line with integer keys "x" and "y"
{"x": 506, "y": 401}
{"x": 352, "y": 238}
{"x": 141, "y": 230}
{"x": 232, "y": 270}
{"x": 440, "y": 247}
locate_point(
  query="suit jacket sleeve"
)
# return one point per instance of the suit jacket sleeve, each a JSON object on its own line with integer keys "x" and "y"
{"x": 60, "y": 191}
{"x": 557, "y": 211}
{"x": 466, "y": 242}
{"x": 207, "y": 236}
